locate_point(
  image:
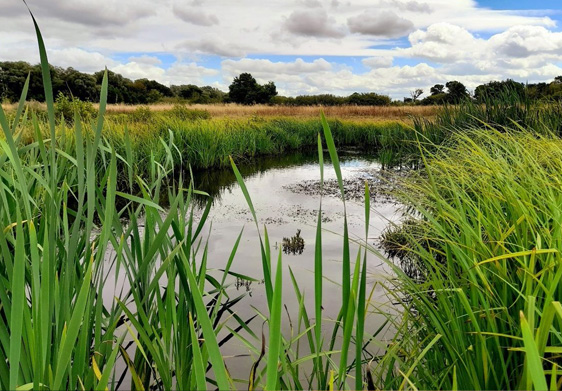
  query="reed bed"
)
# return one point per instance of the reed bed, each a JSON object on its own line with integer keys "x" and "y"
{"x": 483, "y": 306}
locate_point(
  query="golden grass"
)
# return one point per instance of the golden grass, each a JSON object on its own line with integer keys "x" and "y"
{"x": 371, "y": 113}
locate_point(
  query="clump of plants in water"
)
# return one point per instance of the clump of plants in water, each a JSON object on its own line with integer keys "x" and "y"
{"x": 293, "y": 245}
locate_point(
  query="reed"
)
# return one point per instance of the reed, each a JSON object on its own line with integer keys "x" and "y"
{"x": 483, "y": 306}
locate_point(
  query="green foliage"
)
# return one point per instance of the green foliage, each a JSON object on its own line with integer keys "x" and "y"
{"x": 183, "y": 113}
{"x": 141, "y": 114}
{"x": 497, "y": 89}
{"x": 67, "y": 107}
{"x": 487, "y": 253}
{"x": 245, "y": 89}
{"x": 368, "y": 99}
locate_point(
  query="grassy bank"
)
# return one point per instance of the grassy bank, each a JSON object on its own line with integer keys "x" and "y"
{"x": 200, "y": 143}
{"x": 485, "y": 244}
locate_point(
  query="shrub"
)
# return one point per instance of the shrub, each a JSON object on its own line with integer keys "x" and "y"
{"x": 141, "y": 114}
{"x": 181, "y": 112}
{"x": 66, "y": 107}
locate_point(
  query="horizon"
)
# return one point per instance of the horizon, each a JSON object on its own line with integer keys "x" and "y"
{"x": 306, "y": 47}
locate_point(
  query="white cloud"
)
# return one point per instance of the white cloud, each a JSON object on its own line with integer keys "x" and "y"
{"x": 524, "y": 41}
{"x": 144, "y": 59}
{"x": 213, "y": 45}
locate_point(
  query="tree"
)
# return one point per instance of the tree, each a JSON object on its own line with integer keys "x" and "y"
{"x": 456, "y": 91}
{"x": 499, "y": 89}
{"x": 246, "y": 90}
{"x": 368, "y": 99}
{"x": 437, "y": 89}
{"x": 416, "y": 94}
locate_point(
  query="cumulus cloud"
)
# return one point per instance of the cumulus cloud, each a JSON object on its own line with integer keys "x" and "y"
{"x": 178, "y": 73}
{"x": 310, "y": 3}
{"x": 194, "y": 15}
{"x": 87, "y": 12}
{"x": 442, "y": 42}
{"x": 81, "y": 59}
{"x": 312, "y": 23}
{"x": 380, "y": 23}
{"x": 268, "y": 68}
{"x": 523, "y": 41}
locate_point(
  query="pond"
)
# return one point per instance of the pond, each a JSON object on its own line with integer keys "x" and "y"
{"x": 284, "y": 192}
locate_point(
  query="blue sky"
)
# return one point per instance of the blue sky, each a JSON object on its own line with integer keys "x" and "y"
{"x": 304, "y": 46}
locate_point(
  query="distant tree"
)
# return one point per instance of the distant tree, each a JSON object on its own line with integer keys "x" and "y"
{"x": 368, "y": 99}
{"x": 189, "y": 91}
{"x": 80, "y": 85}
{"x": 319, "y": 100}
{"x": 246, "y": 90}
{"x": 435, "y": 99}
{"x": 456, "y": 91}
{"x": 499, "y": 89}
{"x": 267, "y": 91}
{"x": 437, "y": 89}
{"x": 211, "y": 95}
{"x": 416, "y": 94}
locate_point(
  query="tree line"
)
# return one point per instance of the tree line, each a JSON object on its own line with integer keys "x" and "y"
{"x": 454, "y": 92}
{"x": 244, "y": 89}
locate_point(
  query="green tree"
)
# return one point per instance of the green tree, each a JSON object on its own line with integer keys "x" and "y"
{"x": 246, "y": 90}
{"x": 499, "y": 89}
{"x": 456, "y": 91}
{"x": 437, "y": 89}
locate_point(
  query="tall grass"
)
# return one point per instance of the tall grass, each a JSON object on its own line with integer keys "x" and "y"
{"x": 92, "y": 301}
{"x": 483, "y": 309}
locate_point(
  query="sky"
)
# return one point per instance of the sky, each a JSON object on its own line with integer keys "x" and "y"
{"x": 305, "y": 46}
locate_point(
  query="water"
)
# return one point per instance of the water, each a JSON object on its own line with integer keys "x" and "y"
{"x": 270, "y": 183}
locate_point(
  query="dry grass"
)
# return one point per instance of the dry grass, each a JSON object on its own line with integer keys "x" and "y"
{"x": 343, "y": 112}
{"x": 239, "y": 111}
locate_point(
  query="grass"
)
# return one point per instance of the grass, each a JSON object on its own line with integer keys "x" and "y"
{"x": 208, "y": 143}
{"x": 236, "y": 111}
{"x": 82, "y": 289}
{"x": 487, "y": 252}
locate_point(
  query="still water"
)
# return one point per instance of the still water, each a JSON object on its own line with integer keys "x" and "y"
{"x": 286, "y": 200}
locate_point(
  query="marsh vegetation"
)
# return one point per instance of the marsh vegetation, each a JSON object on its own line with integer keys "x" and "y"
{"x": 108, "y": 277}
